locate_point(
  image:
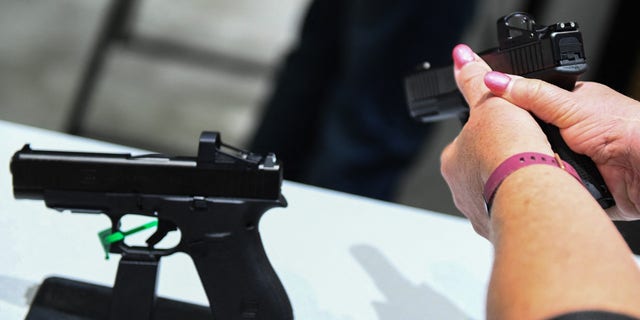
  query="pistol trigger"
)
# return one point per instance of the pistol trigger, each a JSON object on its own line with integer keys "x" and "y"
{"x": 164, "y": 227}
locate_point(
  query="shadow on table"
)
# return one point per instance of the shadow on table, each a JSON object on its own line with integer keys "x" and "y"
{"x": 404, "y": 300}
{"x": 16, "y": 291}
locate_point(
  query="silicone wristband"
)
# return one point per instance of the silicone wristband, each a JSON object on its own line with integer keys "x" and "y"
{"x": 519, "y": 161}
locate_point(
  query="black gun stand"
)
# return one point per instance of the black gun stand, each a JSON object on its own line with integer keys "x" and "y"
{"x": 133, "y": 296}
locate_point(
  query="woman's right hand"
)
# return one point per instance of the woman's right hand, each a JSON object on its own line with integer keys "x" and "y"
{"x": 594, "y": 120}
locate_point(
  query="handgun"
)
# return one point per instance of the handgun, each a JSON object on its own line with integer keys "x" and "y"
{"x": 216, "y": 201}
{"x": 552, "y": 53}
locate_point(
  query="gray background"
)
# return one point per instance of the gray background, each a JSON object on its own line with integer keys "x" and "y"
{"x": 162, "y": 105}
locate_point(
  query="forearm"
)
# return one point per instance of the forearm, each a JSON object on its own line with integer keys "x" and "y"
{"x": 553, "y": 239}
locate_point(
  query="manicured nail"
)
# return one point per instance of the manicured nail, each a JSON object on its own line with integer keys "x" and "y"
{"x": 496, "y": 81}
{"x": 462, "y": 54}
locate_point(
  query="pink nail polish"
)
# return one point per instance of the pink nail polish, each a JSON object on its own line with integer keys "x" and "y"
{"x": 462, "y": 54}
{"x": 496, "y": 81}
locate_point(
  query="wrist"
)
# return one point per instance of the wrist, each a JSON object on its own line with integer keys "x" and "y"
{"x": 496, "y": 160}
{"x": 517, "y": 162}
{"x": 539, "y": 193}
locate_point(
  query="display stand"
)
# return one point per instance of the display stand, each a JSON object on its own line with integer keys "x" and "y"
{"x": 132, "y": 297}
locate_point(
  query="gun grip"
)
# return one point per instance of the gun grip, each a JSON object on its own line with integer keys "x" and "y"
{"x": 566, "y": 77}
{"x": 235, "y": 272}
{"x": 585, "y": 167}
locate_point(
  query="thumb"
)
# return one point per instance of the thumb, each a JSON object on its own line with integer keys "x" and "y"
{"x": 549, "y": 103}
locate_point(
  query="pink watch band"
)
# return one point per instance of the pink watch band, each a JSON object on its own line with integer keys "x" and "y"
{"x": 519, "y": 161}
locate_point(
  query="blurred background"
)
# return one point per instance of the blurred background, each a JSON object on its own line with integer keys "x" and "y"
{"x": 176, "y": 68}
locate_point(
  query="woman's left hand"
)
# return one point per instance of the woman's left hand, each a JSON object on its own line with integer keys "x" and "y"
{"x": 496, "y": 130}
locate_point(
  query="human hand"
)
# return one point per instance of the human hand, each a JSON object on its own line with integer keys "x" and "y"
{"x": 496, "y": 130}
{"x": 594, "y": 120}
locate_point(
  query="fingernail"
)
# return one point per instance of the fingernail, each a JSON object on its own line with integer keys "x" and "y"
{"x": 497, "y": 82}
{"x": 462, "y": 54}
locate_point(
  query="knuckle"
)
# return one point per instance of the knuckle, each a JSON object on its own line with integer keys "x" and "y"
{"x": 471, "y": 77}
{"x": 533, "y": 90}
{"x": 467, "y": 80}
{"x": 445, "y": 157}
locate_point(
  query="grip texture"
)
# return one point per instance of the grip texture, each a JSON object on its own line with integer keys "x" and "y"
{"x": 238, "y": 279}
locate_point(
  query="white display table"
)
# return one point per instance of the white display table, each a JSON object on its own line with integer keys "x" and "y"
{"x": 339, "y": 256}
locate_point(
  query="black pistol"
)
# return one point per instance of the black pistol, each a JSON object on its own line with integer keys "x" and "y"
{"x": 551, "y": 53}
{"x": 216, "y": 200}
